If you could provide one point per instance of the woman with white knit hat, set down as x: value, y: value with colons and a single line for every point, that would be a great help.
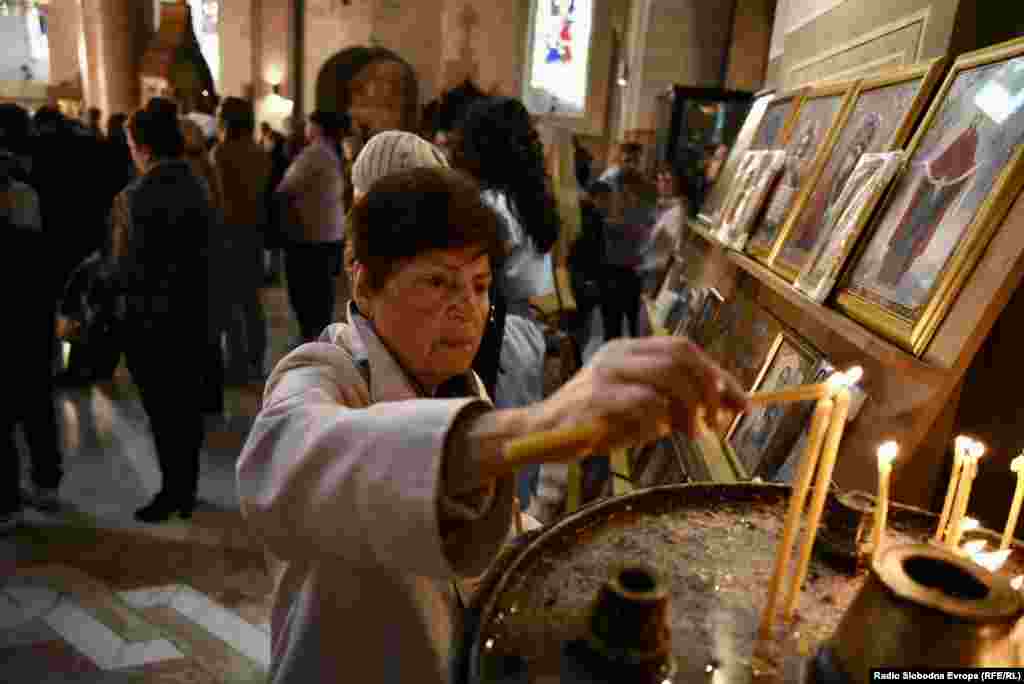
x: 392, y: 151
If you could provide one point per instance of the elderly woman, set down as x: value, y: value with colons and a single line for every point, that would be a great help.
x: 375, y: 468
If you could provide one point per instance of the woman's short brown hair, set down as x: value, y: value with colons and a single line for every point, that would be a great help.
x: 414, y: 211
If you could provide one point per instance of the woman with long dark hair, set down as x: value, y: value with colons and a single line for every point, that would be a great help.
x: 160, y: 226
x: 498, y: 145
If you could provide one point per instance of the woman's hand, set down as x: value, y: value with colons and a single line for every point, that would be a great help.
x: 636, y: 390
x: 632, y: 392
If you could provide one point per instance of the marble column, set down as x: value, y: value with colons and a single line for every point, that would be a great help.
x: 65, y: 38
x: 116, y: 32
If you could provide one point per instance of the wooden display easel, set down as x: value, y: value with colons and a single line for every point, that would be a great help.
x: 910, y: 400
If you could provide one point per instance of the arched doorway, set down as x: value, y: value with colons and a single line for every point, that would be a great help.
x: 376, y: 86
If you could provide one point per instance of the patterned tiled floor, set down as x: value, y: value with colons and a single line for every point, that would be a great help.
x: 91, y: 597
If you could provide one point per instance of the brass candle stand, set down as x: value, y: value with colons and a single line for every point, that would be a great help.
x: 923, y: 606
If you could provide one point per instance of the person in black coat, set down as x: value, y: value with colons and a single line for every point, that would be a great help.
x: 32, y: 304
x: 157, y: 264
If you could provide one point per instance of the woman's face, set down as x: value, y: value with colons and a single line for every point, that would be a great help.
x: 432, y: 310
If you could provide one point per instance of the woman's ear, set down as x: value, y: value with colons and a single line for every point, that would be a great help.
x: 361, y: 289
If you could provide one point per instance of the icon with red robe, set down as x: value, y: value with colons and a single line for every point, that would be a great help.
x: 945, y: 177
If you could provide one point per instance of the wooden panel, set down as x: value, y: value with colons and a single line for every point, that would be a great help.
x: 897, y: 44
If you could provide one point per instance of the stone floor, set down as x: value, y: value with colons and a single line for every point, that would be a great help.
x: 90, y: 596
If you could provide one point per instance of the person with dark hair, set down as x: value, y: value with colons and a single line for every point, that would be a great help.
x: 275, y: 145
x: 375, y: 469
x: 75, y: 205
x: 157, y: 261
x: 497, y: 144
x: 122, y: 168
x: 670, y: 214
x: 312, y: 196
x: 628, y: 231
x: 242, y: 169
x: 94, y: 122
x: 32, y: 304
x: 627, y: 157
x: 584, y: 161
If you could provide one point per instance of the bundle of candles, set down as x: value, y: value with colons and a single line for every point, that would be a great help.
x: 833, y: 399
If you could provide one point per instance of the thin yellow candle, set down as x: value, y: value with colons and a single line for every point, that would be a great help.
x: 959, y: 450
x: 960, y: 505
x: 886, y: 455
x: 828, y: 461
x: 809, y: 392
x: 975, y: 452
x: 812, y: 450
x: 1016, y: 466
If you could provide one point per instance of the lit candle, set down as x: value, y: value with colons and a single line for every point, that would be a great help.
x: 1017, y: 466
x: 813, y: 392
x: 828, y: 461
x: 886, y: 455
x: 976, y: 450
x: 812, y: 450
x: 959, y: 451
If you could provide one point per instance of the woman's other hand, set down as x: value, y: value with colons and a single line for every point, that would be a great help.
x: 634, y: 391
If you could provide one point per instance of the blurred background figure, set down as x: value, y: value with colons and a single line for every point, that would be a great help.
x: 93, y: 121
x: 629, y: 224
x: 242, y: 170
x: 31, y: 303
x: 274, y: 144
x: 669, y: 215
x: 122, y: 168
x: 312, y: 199
x: 627, y: 156
x: 160, y: 228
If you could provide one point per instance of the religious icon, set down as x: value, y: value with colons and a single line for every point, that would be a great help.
x: 962, y: 174
x: 786, y: 472
x: 765, y: 432
x: 844, y: 219
x: 712, y: 208
x: 815, y: 133
x: 772, y: 132
x: 942, y: 181
x: 881, y: 118
x: 752, y: 186
x: 743, y: 337
x: 797, y: 167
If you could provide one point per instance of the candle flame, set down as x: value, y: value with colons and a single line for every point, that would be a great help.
x: 974, y: 547
x: 1017, y: 464
x: 887, y: 453
x: 853, y: 375
x: 963, y: 443
x: 1017, y: 582
x: 977, y: 449
x: 991, y: 560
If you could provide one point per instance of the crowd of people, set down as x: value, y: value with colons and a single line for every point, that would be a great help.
x: 374, y: 471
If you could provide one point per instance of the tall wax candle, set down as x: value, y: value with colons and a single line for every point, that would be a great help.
x: 886, y: 455
x: 1016, y: 466
x: 959, y: 451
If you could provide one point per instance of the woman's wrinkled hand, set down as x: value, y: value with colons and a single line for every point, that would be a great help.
x: 637, y: 390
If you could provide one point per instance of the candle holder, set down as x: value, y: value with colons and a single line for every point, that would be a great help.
x: 923, y: 606
x: 846, y: 536
x: 628, y: 636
